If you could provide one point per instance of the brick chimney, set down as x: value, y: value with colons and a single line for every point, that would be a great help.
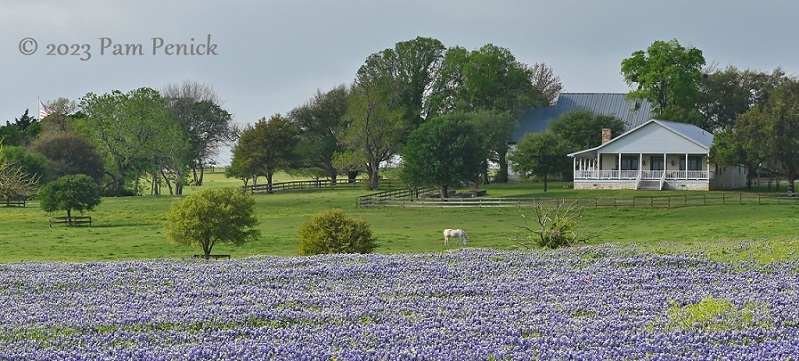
x: 606, y: 136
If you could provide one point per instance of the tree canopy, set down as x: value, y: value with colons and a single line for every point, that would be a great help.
x: 205, y: 123
x: 320, y: 121
x: 541, y: 154
x: 69, y: 153
x: 445, y: 151
x: 582, y: 129
x: 668, y: 76
x: 267, y: 147
x: 133, y: 131
x: 212, y: 216
x: 14, y: 181
x: 76, y: 192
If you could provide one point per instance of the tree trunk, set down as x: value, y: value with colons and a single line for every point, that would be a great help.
x: 444, y: 192
x: 352, y: 176
x: 545, y: 182
x: 269, y: 182
x: 333, y: 175
x: 199, y: 181
x: 502, y: 172
x: 374, y: 177
x: 69, y: 216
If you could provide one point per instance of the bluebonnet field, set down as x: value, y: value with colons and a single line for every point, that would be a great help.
x: 585, y: 303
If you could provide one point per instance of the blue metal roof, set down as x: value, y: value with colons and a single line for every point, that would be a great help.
x: 538, y: 119
x: 690, y: 131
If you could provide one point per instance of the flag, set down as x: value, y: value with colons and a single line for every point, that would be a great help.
x: 44, y: 111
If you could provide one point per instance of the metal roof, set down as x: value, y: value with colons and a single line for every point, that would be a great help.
x: 538, y: 119
x: 691, y: 132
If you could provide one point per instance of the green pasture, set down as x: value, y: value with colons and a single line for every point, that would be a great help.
x: 132, y: 227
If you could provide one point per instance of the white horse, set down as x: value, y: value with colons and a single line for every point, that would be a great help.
x: 459, y: 233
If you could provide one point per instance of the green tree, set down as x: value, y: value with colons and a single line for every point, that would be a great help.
x: 730, y: 92
x: 541, y: 155
x: 490, y: 79
x: 443, y: 152
x: 68, y: 153
x: 376, y: 127
x: 495, y: 128
x: 243, y: 168
x: 783, y: 115
x: 76, y: 192
x: 334, y: 232
x: 21, y: 132
x: 417, y: 63
x: 267, y: 147
x: 212, y: 216
x: 206, y: 124
x: 14, y: 181
x: 583, y: 129
x: 31, y: 163
x: 747, y: 143
x: 131, y: 131
x: 668, y: 76
x: 320, y: 121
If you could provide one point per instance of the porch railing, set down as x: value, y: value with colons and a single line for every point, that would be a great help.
x: 643, y: 174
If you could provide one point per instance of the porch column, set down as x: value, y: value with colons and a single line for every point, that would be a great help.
x: 640, y: 162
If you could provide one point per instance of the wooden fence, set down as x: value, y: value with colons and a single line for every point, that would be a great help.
x: 315, y: 184
x: 18, y: 200
x: 671, y: 201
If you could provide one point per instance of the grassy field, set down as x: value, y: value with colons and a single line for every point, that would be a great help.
x: 132, y: 227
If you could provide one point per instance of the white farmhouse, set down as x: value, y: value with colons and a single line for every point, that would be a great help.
x: 655, y: 155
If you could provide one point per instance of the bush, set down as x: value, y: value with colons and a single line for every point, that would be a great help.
x: 212, y: 216
x: 554, y: 227
x: 333, y: 232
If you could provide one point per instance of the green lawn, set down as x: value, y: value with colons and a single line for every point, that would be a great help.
x: 132, y: 227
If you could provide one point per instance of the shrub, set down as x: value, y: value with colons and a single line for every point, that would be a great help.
x: 333, y: 232
x: 554, y: 227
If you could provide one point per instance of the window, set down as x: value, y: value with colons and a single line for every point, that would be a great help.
x: 629, y: 162
x: 656, y: 163
x: 694, y: 163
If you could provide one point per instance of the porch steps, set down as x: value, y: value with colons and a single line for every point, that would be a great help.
x: 649, y: 185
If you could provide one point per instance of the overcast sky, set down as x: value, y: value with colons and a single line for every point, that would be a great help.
x: 272, y: 56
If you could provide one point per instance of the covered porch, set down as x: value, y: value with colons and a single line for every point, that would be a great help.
x: 642, y: 170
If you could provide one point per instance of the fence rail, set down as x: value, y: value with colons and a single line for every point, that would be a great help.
x: 315, y: 184
x: 18, y: 200
x: 669, y: 201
